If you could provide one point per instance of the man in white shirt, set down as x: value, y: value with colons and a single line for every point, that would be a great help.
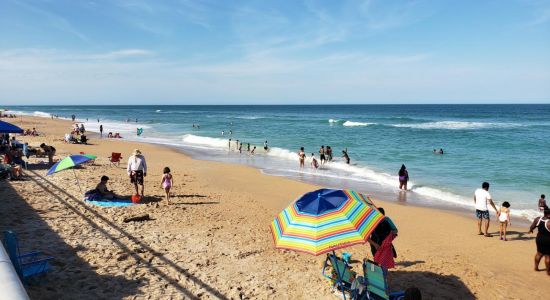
x: 137, y: 169
x: 481, y: 199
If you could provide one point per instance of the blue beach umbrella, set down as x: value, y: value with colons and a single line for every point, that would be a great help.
x: 6, y: 127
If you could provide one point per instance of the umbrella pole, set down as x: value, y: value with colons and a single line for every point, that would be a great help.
x: 78, y: 182
x: 340, y: 283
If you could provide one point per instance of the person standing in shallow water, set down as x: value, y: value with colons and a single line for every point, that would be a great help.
x: 302, y: 157
x: 403, y: 177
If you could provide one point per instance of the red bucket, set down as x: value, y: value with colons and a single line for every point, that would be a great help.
x: 136, y: 198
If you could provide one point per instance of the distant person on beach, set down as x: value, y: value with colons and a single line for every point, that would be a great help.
x: 346, y: 156
x: 101, y: 130
x: 167, y: 183
x: 302, y: 157
x: 314, y: 161
x: 240, y: 148
x: 248, y: 147
x: 73, y: 117
x: 542, y: 240
x: 481, y: 199
x: 137, y: 170
x: 322, y: 157
x: 542, y: 204
x: 223, y: 132
x: 110, y: 135
x: 253, y: 149
x: 403, y: 177
x: 329, y: 153
x: 265, y: 146
x: 82, y: 130
x: 103, y: 190
x: 229, y: 144
x: 504, y: 219
x: 49, y: 151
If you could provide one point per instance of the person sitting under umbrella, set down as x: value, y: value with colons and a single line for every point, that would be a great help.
x: 104, y: 191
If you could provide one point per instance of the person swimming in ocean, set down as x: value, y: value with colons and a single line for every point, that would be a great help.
x: 440, y: 150
x: 265, y: 146
x: 345, y: 155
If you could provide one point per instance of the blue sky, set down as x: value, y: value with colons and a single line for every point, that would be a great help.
x: 267, y: 52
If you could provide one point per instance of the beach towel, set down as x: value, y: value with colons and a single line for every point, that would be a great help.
x: 111, y: 203
x: 384, y: 255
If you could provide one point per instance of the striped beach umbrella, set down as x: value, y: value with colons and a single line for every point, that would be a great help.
x: 325, y: 220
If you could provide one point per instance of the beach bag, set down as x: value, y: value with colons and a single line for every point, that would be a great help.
x: 359, y: 288
x: 92, y: 195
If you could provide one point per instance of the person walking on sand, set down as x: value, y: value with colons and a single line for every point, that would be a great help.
x: 403, y: 177
x: 167, y: 182
x: 504, y: 220
x: 542, y: 240
x: 101, y: 130
x: 481, y: 199
x: 542, y: 204
x: 137, y: 170
x: 302, y: 157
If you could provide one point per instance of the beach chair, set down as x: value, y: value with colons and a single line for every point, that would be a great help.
x: 115, y: 158
x: 26, y: 265
x: 340, y: 274
x: 377, y: 284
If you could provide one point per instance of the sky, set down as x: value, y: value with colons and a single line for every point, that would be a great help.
x: 274, y: 52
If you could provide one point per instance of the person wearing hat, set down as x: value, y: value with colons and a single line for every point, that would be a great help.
x: 103, y: 190
x: 137, y: 169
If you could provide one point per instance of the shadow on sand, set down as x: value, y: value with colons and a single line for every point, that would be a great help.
x: 432, y: 285
x: 69, y: 271
x: 106, y: 227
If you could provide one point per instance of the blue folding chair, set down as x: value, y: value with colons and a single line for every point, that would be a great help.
x: 26, y: 265
x: 341, y: 273
x: 377, y: 283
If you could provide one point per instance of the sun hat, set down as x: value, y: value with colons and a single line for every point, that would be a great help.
x: 136, y: 152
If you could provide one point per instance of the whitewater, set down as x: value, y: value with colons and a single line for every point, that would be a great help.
x: 499, y: 144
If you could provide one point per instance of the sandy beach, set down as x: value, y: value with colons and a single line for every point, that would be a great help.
x: 215, y: 242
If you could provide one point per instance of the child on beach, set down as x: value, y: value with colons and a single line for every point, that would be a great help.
x: 504, y: 219
x: 314, y: 162
x: 167, y: 183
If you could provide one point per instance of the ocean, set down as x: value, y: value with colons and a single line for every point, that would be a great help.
x: 506, y: 145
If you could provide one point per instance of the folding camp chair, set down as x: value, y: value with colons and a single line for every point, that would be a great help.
x: 26, y: 265
x: 377, y: 284
x: 341, y: 273
x: 115, y: 158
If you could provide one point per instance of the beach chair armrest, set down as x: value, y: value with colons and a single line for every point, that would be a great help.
x: 37, y: 261
x: 397, y: 295
x: 30, y: 254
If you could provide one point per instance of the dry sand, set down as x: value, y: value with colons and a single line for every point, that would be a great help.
x: 215, y: 242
